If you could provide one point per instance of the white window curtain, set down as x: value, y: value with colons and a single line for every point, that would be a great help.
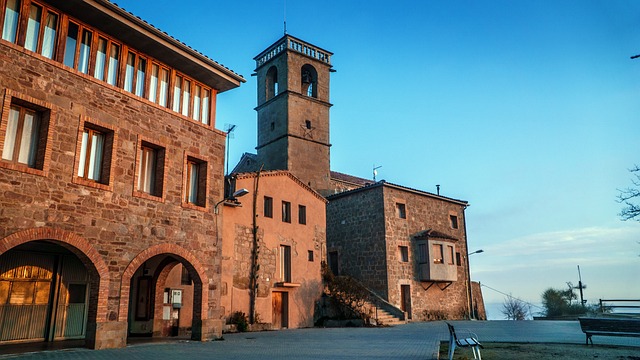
x: 153, y: 83
x: 10, y: 138
x: 29, y: 141
x: 83, y: 153
x: 205, y: 107
x: 95, y: 161
x: 140, y: 76
x: 114, y: 55
x: 146, y: 175
x: 129, y: 72
x: 164, y: 87
x: 196, y: 103
x: 33, y: 28
x: 70, y: 46
x: 49, y: 37
x: 101, y: 58
x: 193, y: 183
x: 186, y: 98
x: 11, y: 16
x: 177, y: 91
x: 85, y: 52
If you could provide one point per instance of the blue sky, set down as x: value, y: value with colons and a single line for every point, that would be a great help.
x: 529, y: 110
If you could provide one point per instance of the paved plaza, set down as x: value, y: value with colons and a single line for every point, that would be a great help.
x: 410, y: 341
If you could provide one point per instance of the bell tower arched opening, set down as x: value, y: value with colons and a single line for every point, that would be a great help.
x: 271, y: 82
x: 309, y: 81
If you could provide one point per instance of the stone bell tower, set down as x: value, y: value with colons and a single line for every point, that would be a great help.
x: 293, y: 110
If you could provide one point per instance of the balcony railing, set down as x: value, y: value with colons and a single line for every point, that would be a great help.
x: 295, y: 45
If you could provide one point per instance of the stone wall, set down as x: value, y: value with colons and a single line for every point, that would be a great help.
x: 116, y: 221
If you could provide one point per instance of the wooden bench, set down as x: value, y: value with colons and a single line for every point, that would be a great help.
x: 471, y: 341
x: 609, y: 327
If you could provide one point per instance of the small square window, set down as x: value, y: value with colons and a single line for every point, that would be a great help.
x: 458, y: 262
x: 310, y: 255
x: 25, y: 137
x: 307, y: 124
x: 404, y: 253
x: 454, y: 221
x: 286, y: 211
x: 268, y: 207
x: 302, y: 214
x: 401, y: 211
x: 195, y: 182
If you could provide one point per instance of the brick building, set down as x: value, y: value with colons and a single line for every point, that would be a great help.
x: 288, y: 244
x: 111, y: 166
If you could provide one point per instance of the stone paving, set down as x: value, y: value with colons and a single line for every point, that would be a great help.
x: 410, y: 341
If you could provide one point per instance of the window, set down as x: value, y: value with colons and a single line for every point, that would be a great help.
x: 310, y: 253
x: 177, y: 93
x: 77, y: 54
x: 22, y: 139
x: 94, y: 154
x: 309, y: 79
x: 271, y: 82
x: 437, y: 254
x: 41, y: 31
x: 150, y: 174
x: 401, y: 211
x: 307, y: 124
x: 286, y: 211
x: 450, y: 255
x: 134, y: 75
x: 285, y: 263
x: 453, y: 219
x: 159, y: 85
x: 107, y: 60
x: 302, y: 214
x: 404, y: 253
x: 333, y: 262
x: 458, y: 262
x: 195, y: 182
x: 268, y: 207
x: 11, y: 18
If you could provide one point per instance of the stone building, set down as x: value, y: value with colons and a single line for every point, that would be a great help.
x: 405, y: 245
x: 394, y: 257
x: 111, y: 166
x: 282, y: 223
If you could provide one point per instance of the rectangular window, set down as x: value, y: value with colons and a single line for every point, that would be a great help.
x: 186, y: 97
x: 450, y: 255
x: 197, y: 103
x: 458, y: 262
x: 177, y: 92
x: 302, y: 214
x: 310, y: 255
x: 77, y: 55
x: 150, y: 169
x: 11, y: 19
x: 141, y: 76
x: 85, y: 51
x: 33, y: 28
x: 286, y: 211
x: 112, y: 70
x: 195, y: 186
x: 153, y: 83
x: 101, y: 59
x: 70, y: 46
x: 163, y: 94
x: 206, y: 100
x: 332, y: 258
x: 401, y: 211
x: 48, y: 45
x: 437, y: 254
x: 23, y: 137
x: 134, y: 74
x: 285, y: 263
x: 268, y: 207
x: 454, y: 221
x: 404, y: 253
x: 129, y: 72
x: 91, y: 155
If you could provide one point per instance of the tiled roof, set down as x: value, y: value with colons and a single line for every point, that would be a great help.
x: 350, y: 178
x: 266, y: 173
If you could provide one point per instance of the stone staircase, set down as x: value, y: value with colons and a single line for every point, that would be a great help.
x: 383, y: 317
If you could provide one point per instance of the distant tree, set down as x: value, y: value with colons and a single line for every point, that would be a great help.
x: 630, y: 197
x: 559, y: 302
x: 514, y: 309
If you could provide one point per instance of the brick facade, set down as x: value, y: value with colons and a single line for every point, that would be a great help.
x: 113, y: 229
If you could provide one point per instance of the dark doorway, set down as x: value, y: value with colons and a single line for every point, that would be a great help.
x: 405, y: 293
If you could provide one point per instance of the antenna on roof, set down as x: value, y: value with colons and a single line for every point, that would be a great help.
x: 285, y: 17
x: 228, y: 128
x: 375, y: 171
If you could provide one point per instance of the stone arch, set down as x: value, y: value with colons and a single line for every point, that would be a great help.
x: 271, y: 82
x: 88, y: 255
x: 190, y: 261
x: 309, y: 81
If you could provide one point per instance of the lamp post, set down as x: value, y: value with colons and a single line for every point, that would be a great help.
x: 473, y: 314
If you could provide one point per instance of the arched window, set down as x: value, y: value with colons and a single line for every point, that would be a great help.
x: 272, y: 82
x: 309, y: 81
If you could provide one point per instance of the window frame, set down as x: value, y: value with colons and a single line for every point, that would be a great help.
x: 437, y: 253
x: 453, y: 221
x: 159, y: 173
x: 401, y: 210
x: 108, y: 156
x: 45, y: 10
x: 201, y: 165
x: 286, y: 211
x: 267, y: 208
x: 285, y: 263
x: 302, y: 214
x: 47, y: 123
x: 403, y: 251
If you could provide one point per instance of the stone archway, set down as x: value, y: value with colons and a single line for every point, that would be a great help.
x: 191, y: 263
x: 96, y: 267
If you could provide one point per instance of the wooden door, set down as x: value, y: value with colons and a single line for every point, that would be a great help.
x: 280, y: 310
x: 405, y: 293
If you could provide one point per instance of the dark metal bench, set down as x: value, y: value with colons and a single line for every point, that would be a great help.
x: 471, y: 341
x: 609, y: 327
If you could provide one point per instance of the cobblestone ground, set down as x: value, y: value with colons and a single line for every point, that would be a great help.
x: 411, y: 341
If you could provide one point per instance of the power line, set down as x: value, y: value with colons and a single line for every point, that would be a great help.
x: 512, y: 297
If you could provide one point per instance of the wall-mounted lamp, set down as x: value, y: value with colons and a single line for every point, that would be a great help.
x: 232, y: 200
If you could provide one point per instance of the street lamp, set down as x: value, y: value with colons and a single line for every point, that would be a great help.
x: 473, y: 309
x: 231, y: 200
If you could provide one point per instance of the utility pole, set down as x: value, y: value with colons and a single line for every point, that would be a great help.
x: 580, y: 285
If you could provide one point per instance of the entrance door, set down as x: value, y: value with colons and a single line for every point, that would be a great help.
x: 280, y: 310
x: 405, y: 293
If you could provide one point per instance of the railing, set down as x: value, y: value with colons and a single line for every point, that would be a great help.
x: 295, y: 45
x: 620, y: 307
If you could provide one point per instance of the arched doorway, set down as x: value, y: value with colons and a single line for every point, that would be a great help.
x: 165, y: 293
x: 45, y: 292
